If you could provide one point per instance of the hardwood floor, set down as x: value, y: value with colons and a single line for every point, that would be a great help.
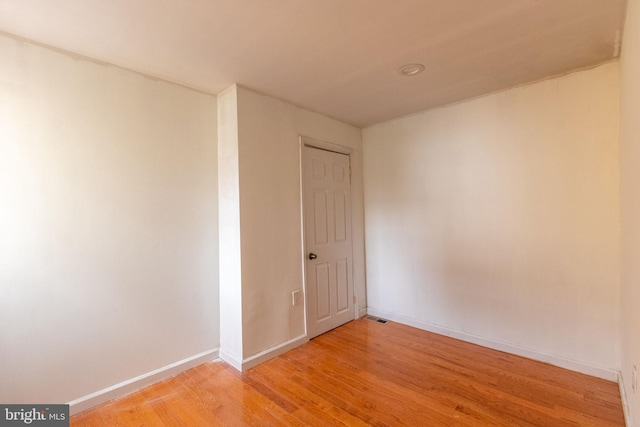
x: 365, y: 373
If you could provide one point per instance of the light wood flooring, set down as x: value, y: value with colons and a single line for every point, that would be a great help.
x: 370, y: 374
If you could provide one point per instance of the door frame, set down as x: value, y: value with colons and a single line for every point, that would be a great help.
x: 307, y: 141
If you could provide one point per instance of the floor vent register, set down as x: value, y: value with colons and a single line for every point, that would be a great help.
x: 377, y: 319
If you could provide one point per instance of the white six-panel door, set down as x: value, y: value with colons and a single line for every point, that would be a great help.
x: 327, y: 215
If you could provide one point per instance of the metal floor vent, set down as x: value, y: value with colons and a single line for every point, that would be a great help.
x: 377, y: 319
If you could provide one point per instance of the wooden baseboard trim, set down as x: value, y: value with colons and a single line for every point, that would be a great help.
x: 134, y: 384
x: 572, y: 365
x: 362, y: 311
x: 272, y: 352
x: 230, y: 359
x: 625, y: 402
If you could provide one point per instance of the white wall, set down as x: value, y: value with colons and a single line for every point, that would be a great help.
x: 108, y: 225
x: 497, y: 220
x: 270, y: 221
x: 630, y: 198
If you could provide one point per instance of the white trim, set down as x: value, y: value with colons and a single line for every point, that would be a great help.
x: 230, y: 359
x: 136, y: 383
x: 307, y: 141
x: 566, y: 363
x: 362, y: 311
x: 303, y: 242
x: 272, y: 352
x: 625, y: 402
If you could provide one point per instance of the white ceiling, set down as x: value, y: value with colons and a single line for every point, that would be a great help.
x: 336, y: 57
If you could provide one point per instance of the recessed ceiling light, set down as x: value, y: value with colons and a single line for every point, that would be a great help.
x: 411, y: 69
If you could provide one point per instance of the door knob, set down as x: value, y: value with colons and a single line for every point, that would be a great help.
x: 312, y: 255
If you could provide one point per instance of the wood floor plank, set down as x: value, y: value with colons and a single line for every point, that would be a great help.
x: 349, y: 384
x: 370, y: 374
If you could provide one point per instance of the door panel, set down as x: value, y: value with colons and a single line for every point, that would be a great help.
x: 327, y: 215
x: 340, y: 213
x: 323, y: 291
x: 321, y: 225
x: 342, y: 273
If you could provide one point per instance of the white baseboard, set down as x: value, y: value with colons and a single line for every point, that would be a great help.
x: 362, y: 311
x: 134, y: 384
x: 566, y: 363
x: 272, y: 352
x: 263, y: 356
x: 230, y: 359
x: 625, y: 402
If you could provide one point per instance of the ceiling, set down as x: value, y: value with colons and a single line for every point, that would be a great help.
x: 336, y: 57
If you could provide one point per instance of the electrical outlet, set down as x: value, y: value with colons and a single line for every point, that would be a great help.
x: 634, y: 380
x: 295, y: 297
